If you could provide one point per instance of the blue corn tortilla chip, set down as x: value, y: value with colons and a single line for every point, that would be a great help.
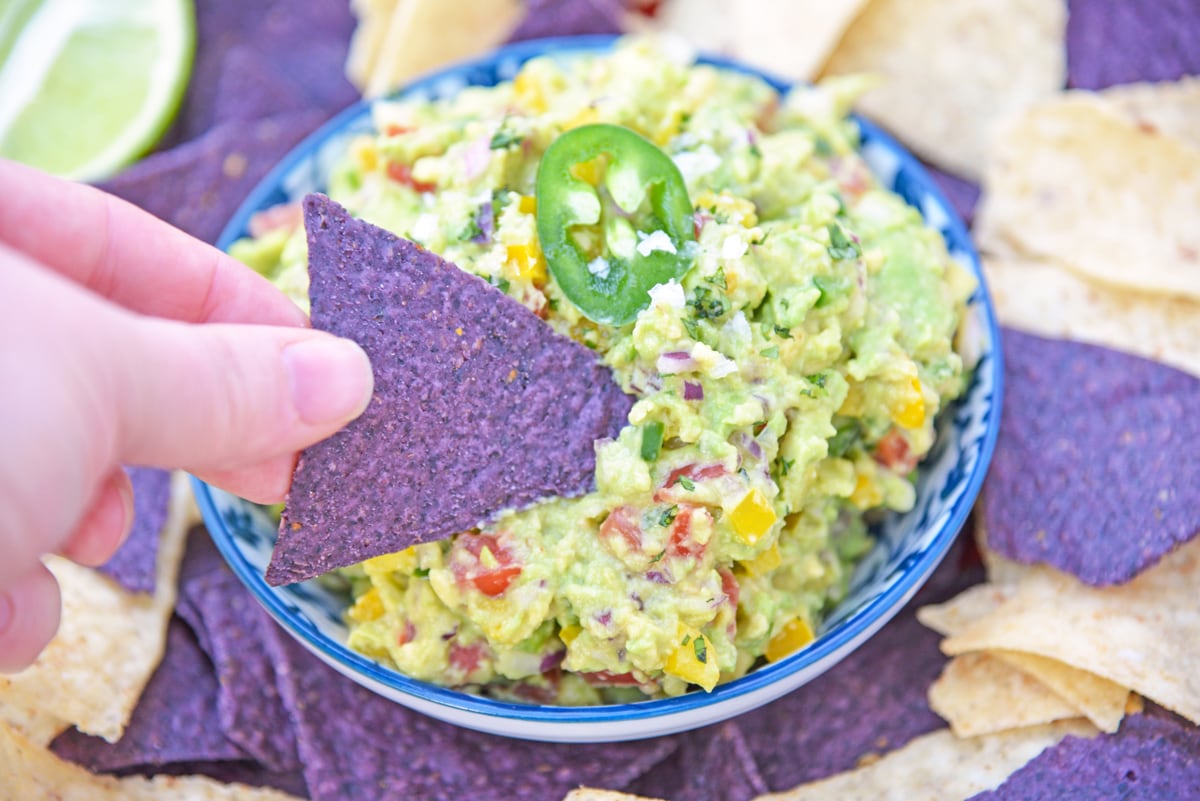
x: 1155, y: 755
x: 249, y: 710
x: 712, y: 764
x: 479, y: 406
x: 545, y: 18
x: 251, y: 87
x: 248, y: 773
x: 355, y: 744
x: 134, y: 565
x: 1095, y: 470
x: 175, y: 719
x: 963, y: 195
x: 197, y: 186
x: 1112, y: 42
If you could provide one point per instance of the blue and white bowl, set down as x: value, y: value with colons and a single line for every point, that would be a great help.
x: 909, y: 546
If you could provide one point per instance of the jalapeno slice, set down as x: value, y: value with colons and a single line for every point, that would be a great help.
x: 613, y: 219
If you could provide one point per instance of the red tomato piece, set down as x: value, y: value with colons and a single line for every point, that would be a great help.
x: 623, y: 522
x: 402, y: 173
x: 893, y: 453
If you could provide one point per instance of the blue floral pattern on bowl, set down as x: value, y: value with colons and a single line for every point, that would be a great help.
x: 909, y: 546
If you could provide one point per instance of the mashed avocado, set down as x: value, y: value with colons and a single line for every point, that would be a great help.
x: 787, y: 384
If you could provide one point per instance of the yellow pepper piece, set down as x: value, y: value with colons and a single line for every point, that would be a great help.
x: 568, y: 633
x: 585, y: 117
x: 669, y: 128
x: 794, y: 635
x: 404, y: 562
x: 735, y: 208
x: 693, y: 660
x: 527, y: 204
x: 764, y: 563
x: 866, y: 494
x: 364, y: 153
x: 527, y: 262
x: 368, y: 607
x: 528, y: 92
x: 752, y: 517
x: 910, y: 413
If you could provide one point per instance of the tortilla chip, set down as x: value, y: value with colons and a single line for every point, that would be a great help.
x: 1144, y: 635
x: 374, y: 19
x: 133, y: 565
x: 425, y: 34
x: 1073, y: 182
x: 545, y: 18
x: 1171, y: 108
x: 32, y: 773
x: 939, y: 766
x: 791, y: 38
x: 1122, y: 41
x: 1100, y: 481
x: 980, y: 694
x: 479, y: 406
x: 593, y: 794
x: 1049, y: 300
x: 1153, y: 756
x: 953, y: 69
x: 108, y: 645
x: 251, y: 87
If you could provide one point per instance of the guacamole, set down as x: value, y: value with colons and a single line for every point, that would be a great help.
x: 786, y: 382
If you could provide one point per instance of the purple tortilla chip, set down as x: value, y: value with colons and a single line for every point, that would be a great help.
x: 479, y: 405
x: 1123, y: 41
x: 355, y: 744
x: 963, y: 195
x: 1154, y: 756
x: 545, y: 18
x: 250, y: 87
x: 1095, y: 470
x: 249, y: 709
x: 135, y: 564
x: 198, y: 186
x: 175, y: 719
x: 712, y: 764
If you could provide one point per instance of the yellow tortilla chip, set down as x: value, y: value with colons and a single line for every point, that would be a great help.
x: 970, y: 605
x: 109, y: 643
x: 979, y: 694
x: 592, y: 794
x: 952, y: 69
x: 30, y: 772
x: 1144, y: 635
x: 791, y: 38
x: 939, y: 766
x: 1171, y: 108
x: 374, y: 19
x: 1073, y: 182
x: 424, y: 34
x: 1047, y: 299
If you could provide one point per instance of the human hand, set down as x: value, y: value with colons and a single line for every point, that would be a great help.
x: 125, y: 341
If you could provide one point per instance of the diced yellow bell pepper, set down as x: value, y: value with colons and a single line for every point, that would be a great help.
x: 568, y: 633
x: 368, y: 607
x: 404, y: 562
x: 585, y: 117
x: 693, y: 659
x: 910, y: 412
x: 669, y: 128
x: 527, y: 263
x: 730, y: 205
x: 764, y: 563
x: 752, y: 517
x: 365, y: 154
x: 527, y: 204
x: 527, y: 90
x: 794, y: 635
x: 866, y: 493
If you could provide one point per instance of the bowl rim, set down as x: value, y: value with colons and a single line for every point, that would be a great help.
x: 832, y: 645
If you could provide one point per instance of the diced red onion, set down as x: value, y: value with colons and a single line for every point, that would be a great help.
x: 485, y: 221
x: 693, y: 391
x: 477, y: 156
x: 552, y: 660
x: 676, y: 361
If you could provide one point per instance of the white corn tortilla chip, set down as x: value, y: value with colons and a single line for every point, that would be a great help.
x: 1047, y: 299
x: 1073, y: 182
x: 791, y: 38
x: 109, y: 643
x: 30, y: 772
x: 1144, y: 635
x: 979, y: 694
x: 939, y: 767
x: 592, y: 794
x: 374, y: 19
x: 952, y: 69
x: 1171, y: 108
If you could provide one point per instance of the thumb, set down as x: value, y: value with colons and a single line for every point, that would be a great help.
x: 216, y: 397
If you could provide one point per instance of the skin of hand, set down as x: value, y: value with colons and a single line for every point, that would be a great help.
x: 125, y: 341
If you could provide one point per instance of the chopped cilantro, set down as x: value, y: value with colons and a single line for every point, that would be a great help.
x: 504, y: 138
x: 786, y: 333
x: 668, y: 516
x: 817, y: 379
x: 841, y: 441
x: 756, y: 151
x: 652, y: 439
x: 686, y: 639
x: 686, y: 483
x: 771, y: 352
x: 701, y: 650
x: 785, y: 466
x: 707, y: 305
x: 841, y: 246
x: 692, y: 327
x: 421, y: 572
x: 718, y: 278
x: 823, y: 147
x: 500, y: 283
x: 470, y: 231
x: 828, y: 287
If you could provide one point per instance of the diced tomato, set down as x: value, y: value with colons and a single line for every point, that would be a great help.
x: 766, y: 117
x: 692, y: 472
x: 402, y: 173
x: 729, y: 586
x: 284, y: 216
x: 466, y: 657
x: 893, y: 453
x: 681, y: 541
x: 538, y: 693
x: 606, y: 678
x: 490, y: 581
x: 851, y: 176
x: 495, y: 582
x: 396, y: 130
x: 407, y: 634
x: 623, y: 522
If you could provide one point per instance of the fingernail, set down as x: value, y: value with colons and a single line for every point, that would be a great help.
x: 6, y: 612
x: 330, y: 379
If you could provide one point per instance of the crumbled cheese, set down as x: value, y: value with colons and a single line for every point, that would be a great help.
x: 658, y: 240
x: 734, y: 247
x: 599, y: 267
x: 669, y: 294
x: 698, y: 162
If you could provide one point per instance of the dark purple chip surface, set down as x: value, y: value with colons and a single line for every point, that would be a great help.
x: 479, y: 406
x: 198, y: 185
x: 1095, y: 471
x: 1154, y: 755
x: 175, y: 719
x: 569, y: 18
x: 1124, y: 41
x: 963, y: 195
x: 135, y: 564
x: 251, y: 87
x: 356, y: 744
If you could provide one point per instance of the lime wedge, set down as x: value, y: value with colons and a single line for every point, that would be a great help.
x: 87, y: 86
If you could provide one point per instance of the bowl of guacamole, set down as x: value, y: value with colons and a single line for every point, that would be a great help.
x: 813, y: 360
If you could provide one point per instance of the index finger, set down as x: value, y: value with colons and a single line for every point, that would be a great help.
x: 131, y: 257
